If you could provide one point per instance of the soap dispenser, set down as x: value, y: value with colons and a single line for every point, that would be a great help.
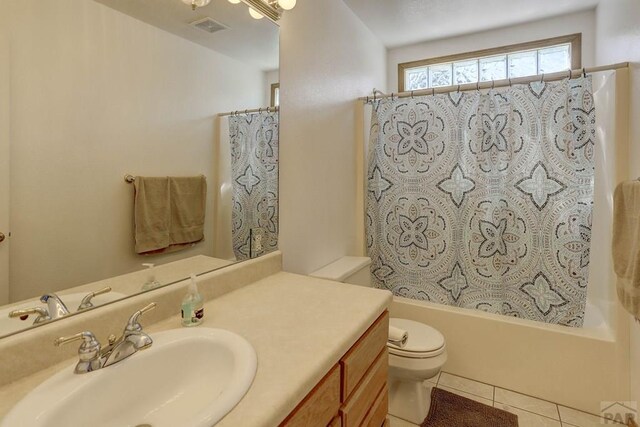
x: 192, y: 309
x: 151, y: 282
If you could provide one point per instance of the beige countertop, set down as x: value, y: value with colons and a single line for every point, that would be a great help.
x: 299, y: 326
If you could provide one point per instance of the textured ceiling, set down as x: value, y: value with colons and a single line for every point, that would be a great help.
x: 401, y: 22
x: 246, y: 39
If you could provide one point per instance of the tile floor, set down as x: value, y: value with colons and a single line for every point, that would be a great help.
x: 531, y: 412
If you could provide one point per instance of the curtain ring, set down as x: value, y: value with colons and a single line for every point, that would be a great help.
x: 433, y: 91
x: 584, y: 72
x: 374, y: 96
x: 570, y: 73
x: 542, y: 78
x: 411, y: 94
x: 478, y: 86
x: 367, y: 100
x: 510, y: 83
x: 458, y: 88
x: 493, y: 84
x: 391, y: 96
x: 246, y: 111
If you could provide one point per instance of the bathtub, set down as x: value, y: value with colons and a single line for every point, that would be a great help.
x: 576, y: 367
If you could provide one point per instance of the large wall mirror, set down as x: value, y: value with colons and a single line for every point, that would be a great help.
x: 93, y: 91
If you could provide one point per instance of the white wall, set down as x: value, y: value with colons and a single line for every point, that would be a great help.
x: 582, y: 22
x: 328, y: 58
x: 618, y: 40
x: 95, y: 95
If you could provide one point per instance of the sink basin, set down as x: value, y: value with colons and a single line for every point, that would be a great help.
x: 187, y: 378
x: 72, y: 301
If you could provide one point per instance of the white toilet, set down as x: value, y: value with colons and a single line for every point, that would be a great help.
x: 420, y: 359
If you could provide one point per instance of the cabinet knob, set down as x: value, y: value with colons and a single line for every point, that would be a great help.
x: 2, y: 237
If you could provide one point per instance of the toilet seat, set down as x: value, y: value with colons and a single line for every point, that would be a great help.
x: 423, y: 340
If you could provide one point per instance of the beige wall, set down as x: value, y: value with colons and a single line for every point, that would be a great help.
x: 4, y: 159
x: 328, y: 59
x: 95, y: 95
x: 618, y: 39
x: 582, y: 22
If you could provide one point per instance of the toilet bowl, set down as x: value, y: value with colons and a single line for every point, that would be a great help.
x: 421, y: 358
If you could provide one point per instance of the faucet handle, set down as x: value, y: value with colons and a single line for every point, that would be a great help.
x: 86, y: 301
x: 133, y: 325
x: 43, y: 314
x: 88, y: 353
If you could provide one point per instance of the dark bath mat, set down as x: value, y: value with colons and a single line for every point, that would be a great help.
x: 450, y: 410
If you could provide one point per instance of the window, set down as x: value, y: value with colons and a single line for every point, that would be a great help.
x: 526, y: 59
x: 275, y: 94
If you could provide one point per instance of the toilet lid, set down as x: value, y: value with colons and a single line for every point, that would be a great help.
x: 422, y: 338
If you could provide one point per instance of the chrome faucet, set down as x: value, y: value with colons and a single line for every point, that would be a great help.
x: 92, y: 356
x: 55, y: 309
x: 86, y: 301
x: 55, y: 305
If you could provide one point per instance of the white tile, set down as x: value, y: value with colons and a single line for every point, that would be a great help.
x: 528, y: 419
x: 466, y: 385
x: 528, y: 403
x: 398, y: 422
x: 575, y: 418
x: 487, y: 402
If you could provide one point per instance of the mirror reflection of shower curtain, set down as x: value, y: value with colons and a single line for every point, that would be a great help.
x: 254, y: 172
x: 484, y: 201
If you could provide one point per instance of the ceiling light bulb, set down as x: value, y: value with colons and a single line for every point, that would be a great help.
x: 255, y: 14
x: 234, y: 1
x: 287, y: 4
x: 196, y: 3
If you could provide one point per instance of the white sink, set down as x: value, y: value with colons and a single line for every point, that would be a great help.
x: 72, y: 301
x: 188, y: 377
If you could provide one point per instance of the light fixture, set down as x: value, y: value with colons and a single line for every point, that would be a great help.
x: 272, y: 9
x: 287, y: 4
x: 196, y: 3
x: 255, y: 14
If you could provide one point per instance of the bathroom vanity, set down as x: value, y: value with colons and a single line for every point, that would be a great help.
x: 320, y: 344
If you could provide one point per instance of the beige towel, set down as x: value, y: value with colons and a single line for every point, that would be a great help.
x: 626, y: 244
x: 168, y: 213
x: 188, y: 198
x: 152, y: 214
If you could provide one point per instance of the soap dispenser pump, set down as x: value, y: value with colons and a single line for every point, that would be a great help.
x: 192, y: 308
x: 151, y: 282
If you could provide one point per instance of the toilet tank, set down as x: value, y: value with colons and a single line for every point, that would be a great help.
x: 348, y: 269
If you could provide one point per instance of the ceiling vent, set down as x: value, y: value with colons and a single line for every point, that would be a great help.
x: 209, y: 25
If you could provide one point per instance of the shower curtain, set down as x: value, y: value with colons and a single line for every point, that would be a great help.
x: 484, y: 200
x: 254, y: 173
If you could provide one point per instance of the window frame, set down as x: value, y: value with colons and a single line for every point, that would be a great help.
x: 575, y: 40
x: 275, y: 87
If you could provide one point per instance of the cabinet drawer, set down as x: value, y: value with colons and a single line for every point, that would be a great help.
x: 360, y: 357
x: 320, y: 405
x: 359, y: 404
x: 378, y: 413
x: 336, y: 422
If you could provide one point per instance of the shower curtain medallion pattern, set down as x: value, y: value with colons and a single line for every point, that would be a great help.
x: 254, y: 171
x: 484, y: 201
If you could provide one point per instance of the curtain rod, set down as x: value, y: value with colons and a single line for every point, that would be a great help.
x: 255, y: 110
x: 495, y: 83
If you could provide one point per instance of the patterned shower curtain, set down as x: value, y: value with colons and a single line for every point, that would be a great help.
x: 484, y: 201
x: 254, y: 172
